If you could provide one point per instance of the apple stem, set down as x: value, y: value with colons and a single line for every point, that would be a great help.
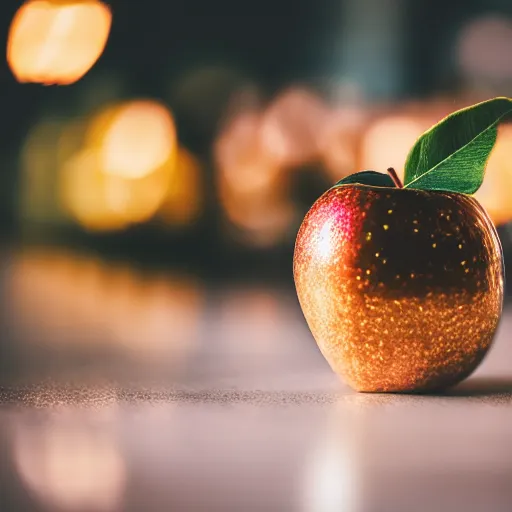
x: 395, y: 178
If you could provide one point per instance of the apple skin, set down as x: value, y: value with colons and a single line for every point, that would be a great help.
x: 401, y: 288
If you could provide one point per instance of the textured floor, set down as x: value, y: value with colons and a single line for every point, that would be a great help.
x: 241, y: 413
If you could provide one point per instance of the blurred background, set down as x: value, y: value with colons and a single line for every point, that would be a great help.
x: 157, y: 159
x: 194, y: 137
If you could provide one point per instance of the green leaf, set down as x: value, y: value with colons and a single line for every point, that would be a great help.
x: 452, y: 155
x: 376, y: 179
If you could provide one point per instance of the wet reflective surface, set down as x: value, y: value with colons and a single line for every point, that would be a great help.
x: 128, y: 391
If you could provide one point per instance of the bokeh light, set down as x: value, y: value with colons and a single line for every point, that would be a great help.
x: 140, y: 138
x: 56, y: 41
x: 70, y: 462
x: 243, y: 165
x: 388, y: 140
x: 291, y: 125
x: 339, y: 139
x: 90, y: 196
x: 122, y: 172
x: 184, y: 200
x: 495, y: 194
x: 252, y: 187
x: 104, y: 202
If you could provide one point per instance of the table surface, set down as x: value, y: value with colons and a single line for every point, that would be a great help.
x: 156, y: 393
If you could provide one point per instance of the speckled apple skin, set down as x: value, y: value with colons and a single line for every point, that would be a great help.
x: 402, y: 289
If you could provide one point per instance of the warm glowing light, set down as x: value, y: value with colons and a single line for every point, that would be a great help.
x: 251, y: 184
x: 184, y: 200
x: 71, y: 141
x: 86, y: 195
x: 140, y: 138
x: 57, y: 41
x: 338, y: 141
x: 495, y: 194
x: 291, y: 126
x: 104, y: 202
x: 244, y: 167
x: 388, y: 140
x: 69, y: 464
x: 122, y: 172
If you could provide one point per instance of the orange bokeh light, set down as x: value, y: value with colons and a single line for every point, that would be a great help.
x: 85, y: 194
x: 56, y: 41
x: 122, y: 172
x: 103, y: 202
x: 251, y: 183
x: 244, y: 166
x: 290, y: 127
x: 338, y: 141
x: 140, y: 137
x: 495, y: 194
x: 388, y: 140
x: 184, y: 199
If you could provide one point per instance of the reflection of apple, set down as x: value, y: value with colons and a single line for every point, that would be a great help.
x: 401, y: 288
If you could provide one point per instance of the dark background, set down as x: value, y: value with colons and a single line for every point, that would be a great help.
x: 164, y: 367
x: 271, y: 45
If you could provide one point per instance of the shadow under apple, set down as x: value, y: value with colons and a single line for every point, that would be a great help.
x: 482, y: 386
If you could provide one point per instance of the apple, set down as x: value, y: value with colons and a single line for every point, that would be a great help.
x: 402, y: 288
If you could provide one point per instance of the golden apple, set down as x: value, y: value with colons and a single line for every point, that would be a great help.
x: 402, y: 289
